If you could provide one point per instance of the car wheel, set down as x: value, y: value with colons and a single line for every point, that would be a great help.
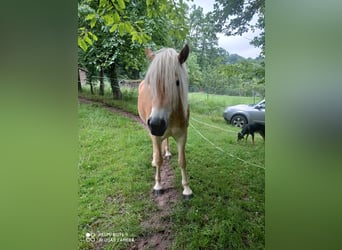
x: 238, y: 121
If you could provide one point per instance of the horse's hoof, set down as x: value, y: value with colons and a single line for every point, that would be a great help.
x: 167, y: 157
x: 158, y: 192
x: 187, y: 197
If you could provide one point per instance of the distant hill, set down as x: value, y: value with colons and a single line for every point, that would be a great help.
x: 235, y: 58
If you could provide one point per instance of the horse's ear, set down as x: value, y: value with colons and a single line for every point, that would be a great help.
x: 149, y: 54
x: 183, y: 55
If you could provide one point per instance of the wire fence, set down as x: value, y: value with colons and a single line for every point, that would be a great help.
x: 222, y: 150
x: 130, y: 86
x: 129, y: 90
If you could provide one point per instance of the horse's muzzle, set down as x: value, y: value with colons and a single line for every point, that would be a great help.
x: 157, y: 126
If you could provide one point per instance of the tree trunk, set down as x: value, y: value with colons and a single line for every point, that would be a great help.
x: 101, y: 82
x: 135, y: 74
x: 114, y: 83
x: 79, y: 81
x: 89, y: 81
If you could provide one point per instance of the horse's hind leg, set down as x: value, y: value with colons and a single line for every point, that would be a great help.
x: 166, y: 148
x: 157, y: 163
x: 187, y: 192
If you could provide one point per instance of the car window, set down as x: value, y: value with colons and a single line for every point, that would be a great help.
x: 261, y: 105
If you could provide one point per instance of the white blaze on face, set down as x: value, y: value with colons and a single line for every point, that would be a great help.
x: 160, y: 113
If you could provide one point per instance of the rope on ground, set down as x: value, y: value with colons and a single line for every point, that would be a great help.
x: 220, y: 149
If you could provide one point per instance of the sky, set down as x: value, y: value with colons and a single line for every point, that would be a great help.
x: 233, y: 44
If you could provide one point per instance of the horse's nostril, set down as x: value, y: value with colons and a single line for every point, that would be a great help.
x: 149, y: 121
x: 162, y: 123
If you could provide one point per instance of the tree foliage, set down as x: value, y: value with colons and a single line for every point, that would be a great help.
x: 202, y: 35
x: 112, y: 36
x: 111, y: 16
x: 234, y: 18
x: 212, y: 68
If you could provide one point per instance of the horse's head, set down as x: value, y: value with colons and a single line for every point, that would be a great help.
x: 168, y: 81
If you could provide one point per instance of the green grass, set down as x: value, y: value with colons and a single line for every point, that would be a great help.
x: 128, y: 102
x: 227, y: 178
x: 115, y: 176
x: 214, y: 105
x: 227, y: 211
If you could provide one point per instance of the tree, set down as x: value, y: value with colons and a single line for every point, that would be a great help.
x: 112, y: 34
x: 247, y: 77
x: 194, y: 71
x: 221, y: 72
x: 234, y: 18
x: 203, y: 36
x: 111, y: 15
x: 104, y: 27
x: 79, y: 81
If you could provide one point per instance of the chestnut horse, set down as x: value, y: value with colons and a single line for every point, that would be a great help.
x: 163, y: 106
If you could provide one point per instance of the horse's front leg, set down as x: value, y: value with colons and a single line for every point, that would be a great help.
x: 157, y: 163
x: 166, y: 148
x: 187, y: 192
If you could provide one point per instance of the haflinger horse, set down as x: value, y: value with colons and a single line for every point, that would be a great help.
x: 163, y: 106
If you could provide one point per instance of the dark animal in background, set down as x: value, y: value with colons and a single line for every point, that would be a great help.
x: 250, y: 129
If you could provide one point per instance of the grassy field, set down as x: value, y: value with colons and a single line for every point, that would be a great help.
x: 202, y: 103
x: 227, y: 178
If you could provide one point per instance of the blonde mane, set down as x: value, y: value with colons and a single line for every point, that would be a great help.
x: 163, y: 107
x: 162, y: 75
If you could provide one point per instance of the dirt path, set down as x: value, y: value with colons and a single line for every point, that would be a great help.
x: 114, y: 110
x: 159, y: 224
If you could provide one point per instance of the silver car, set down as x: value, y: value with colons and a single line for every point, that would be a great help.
x: 242, y: 114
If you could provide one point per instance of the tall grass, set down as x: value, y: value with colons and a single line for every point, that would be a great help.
x: 207, y: 104
x: 128, y: 102
x: 114, y: 176
x: 227, y: 211
x: 227, y: 177
x: 212, y: 105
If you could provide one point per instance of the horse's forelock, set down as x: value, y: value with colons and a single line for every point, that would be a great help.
x: 162, y: 75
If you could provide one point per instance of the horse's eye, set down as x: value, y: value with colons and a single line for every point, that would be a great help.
x: 177, y: 82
